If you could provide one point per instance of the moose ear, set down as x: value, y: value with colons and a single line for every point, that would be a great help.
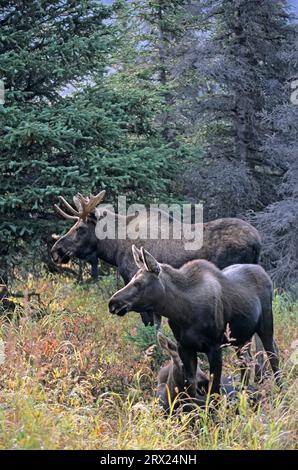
x: 166, y: 344
x: 137, y: 255
x: 150, y: 262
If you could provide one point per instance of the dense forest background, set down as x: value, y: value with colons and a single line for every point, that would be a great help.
x: 157, y: 100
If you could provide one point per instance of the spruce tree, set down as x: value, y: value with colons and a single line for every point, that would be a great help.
x: 46, y: 48
x: 245, y: 66
x: 64, y: 127
x: 278, y: 222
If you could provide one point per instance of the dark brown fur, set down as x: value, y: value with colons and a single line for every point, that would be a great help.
x: 226, y: 241
x: 171, y: 376
x: 200, y: 301
x: 171, y: 385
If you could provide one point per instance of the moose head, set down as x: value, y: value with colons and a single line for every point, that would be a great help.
x: 144, y: 287
x: 80, y: 240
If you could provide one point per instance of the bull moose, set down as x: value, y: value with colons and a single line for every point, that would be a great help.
x: 200, y: 302
x: 226, y: 241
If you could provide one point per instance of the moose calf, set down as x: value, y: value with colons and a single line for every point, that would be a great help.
x: 171, y: 381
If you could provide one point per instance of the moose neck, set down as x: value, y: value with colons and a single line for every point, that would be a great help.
x: 111, y: 248
x: 173, y: 303
x: 197, y: 285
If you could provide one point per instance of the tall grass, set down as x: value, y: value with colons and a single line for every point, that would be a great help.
x: 76, y: 377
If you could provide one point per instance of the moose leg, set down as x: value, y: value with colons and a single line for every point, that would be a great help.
x: 260, y: 360
x: 190, y: 361
x: 157, y: 321
x: 273, y: 355
x: 271, y: 349
x: 215, y: 364
x: 93, y: 261
x: 94, y: 270
x: 245, y: 358
x: 147, y: 318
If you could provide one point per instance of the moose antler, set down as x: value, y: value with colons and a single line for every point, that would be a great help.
x: 85, y: 207
x: 64, y: 214
x: 69, y: 207
x: 88, y: 204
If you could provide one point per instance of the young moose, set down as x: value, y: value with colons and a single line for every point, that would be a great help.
x: 200, y: 301
x: 171, y: 376
x: 171, y: 386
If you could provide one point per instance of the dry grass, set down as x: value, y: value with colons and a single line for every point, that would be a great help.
x: 72, y: 379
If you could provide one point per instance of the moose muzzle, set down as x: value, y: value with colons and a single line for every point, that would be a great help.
x: 118, y: 307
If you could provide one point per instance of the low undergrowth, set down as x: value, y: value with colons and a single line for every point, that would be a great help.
x: 73, y: 376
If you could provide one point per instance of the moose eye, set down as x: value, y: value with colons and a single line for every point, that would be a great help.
x: 137, y: 284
